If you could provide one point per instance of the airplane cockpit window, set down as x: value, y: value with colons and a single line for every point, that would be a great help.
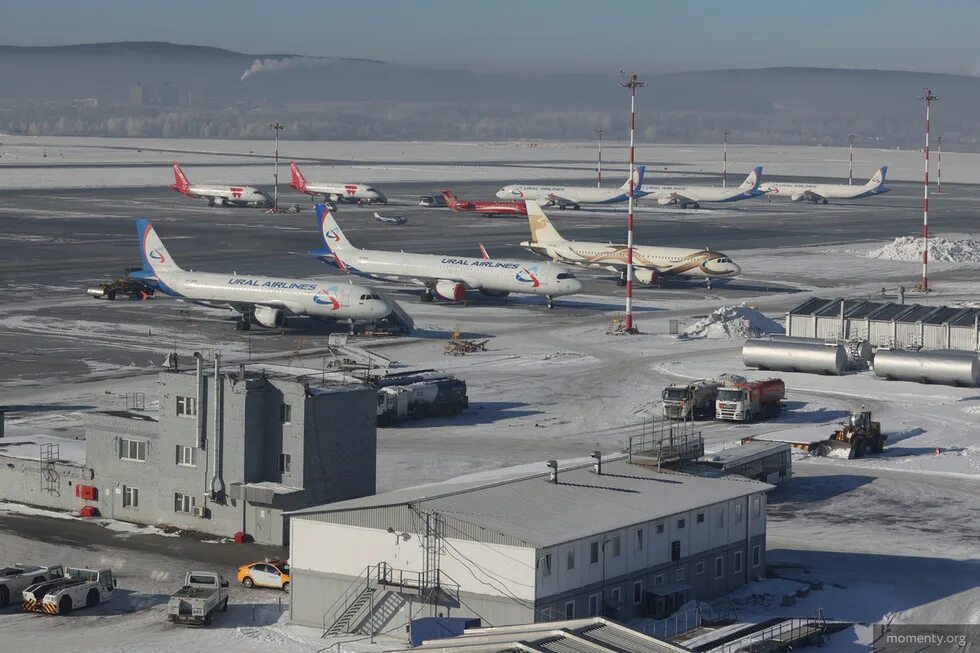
x: 566, y: 275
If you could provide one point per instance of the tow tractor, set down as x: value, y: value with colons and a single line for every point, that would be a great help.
x: 132, y: 288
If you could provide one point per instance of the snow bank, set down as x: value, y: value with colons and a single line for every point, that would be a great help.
x: 733, y: 322
x: 941, y: 250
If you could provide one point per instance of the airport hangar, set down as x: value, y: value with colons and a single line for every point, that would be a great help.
x: 624, y: 541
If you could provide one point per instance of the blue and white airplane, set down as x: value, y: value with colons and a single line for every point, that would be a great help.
x: 265, y: 300
x: 573, y: 196
x: 694, y: 196
x: 446, y: 277
x: 821, y: 193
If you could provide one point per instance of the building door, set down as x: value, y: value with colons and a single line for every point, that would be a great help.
x: 258, y: 524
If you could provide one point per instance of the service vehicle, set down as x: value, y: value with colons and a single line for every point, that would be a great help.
x: 856, y: 437
x: 203, y: 593
x: 432, y: 200
x: 18, y: 576
x: 696, y: 399
x: 431, y: 397
x: 270, y: 573
x: 746, y: 401
x: 78, y: 588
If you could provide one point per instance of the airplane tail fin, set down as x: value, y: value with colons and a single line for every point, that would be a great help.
x: 181, y: 184
x: 156, y: 258
x: 299, y: 181
x: 878, y: 179
x: 753, y: 180
x: 542, y: 231
x: 335, y: 244
x: 637, y: 179
x: 450, y: 198
x: 483, y: 252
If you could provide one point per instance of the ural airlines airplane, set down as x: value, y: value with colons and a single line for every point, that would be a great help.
x: 573, y: 196
x: 264, y: 300
x: 358, y: 193
x: 685, y: 196
x: 446, y: 277
x: 649, y: 262
x: 822, y: 192
x: 217, y: 195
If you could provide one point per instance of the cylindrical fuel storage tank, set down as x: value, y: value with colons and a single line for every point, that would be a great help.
x: 790, y: 356
x: 943, y: 366
x: 859, y: 354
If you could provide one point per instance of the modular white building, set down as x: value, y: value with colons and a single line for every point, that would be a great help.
x: 627, y: 541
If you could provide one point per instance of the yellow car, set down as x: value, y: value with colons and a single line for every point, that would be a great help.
x: 268, y: 573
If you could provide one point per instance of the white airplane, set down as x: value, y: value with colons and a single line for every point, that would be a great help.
x: 355, y: 193
x: 573, y: 196
x: 685, y: 196
x: 823, y: 192
x: 265, y: 300
x: 218, y: 195
x: 446, y: 277
x: 649, y: 262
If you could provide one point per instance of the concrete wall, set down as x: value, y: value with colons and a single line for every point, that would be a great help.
x: 22, y: 481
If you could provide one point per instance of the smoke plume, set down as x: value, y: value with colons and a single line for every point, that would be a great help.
x: 286, y: 63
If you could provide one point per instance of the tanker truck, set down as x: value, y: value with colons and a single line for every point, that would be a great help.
x: 430, y: 397
x: 749, y: 400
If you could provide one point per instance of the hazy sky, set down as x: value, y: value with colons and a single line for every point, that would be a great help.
x: 537, y: 35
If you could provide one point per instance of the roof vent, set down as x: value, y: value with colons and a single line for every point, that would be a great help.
x: 597, y: 465
x: 553, y: 478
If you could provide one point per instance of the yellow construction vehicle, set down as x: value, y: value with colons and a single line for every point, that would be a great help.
x: 858, y: 437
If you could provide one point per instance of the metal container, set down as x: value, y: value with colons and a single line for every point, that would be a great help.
x: 943, y: 366
x: 790, y: 356
x: 859, y: 352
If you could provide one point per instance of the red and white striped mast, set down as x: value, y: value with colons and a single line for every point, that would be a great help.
x: 928, y: 98
x: 632, y: 85
x: 724, y: 160
x: 601, y: 132
x: 939, y: 164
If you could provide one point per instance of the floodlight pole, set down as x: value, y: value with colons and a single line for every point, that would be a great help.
x: 850, y: 159
x: 939, y: 164
x: 724, y: 160
x: 928, y: 98
x: 601, y: 133
x: 632, y: 85
x: 277, y: 127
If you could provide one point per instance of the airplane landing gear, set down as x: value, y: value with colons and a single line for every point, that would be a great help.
x: 621, y: 281
x: 551, y: 302
x: 244, y: 323
x: 824, y: 201
x: 426, y: 296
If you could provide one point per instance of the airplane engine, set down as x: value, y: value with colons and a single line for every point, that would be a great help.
x: 663, y: 201
x: 645, y: 275
x: 450, y: 291
x: 269, y: 317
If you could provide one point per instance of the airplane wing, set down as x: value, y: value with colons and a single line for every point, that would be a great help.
x: 558, y: 200
x: 287, y: 307
x: 682, y: 199
x: 807, y: 195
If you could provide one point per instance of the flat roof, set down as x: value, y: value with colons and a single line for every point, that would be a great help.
x: 28, y: 447
x: 748, y: 451
x: 582, y: 504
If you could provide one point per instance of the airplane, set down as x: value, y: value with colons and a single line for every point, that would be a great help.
x: 574, y: 196
x: 823, y: 192
x: 445, y: 277
x: 685, y: 196
x: 390, y: 219
x: 218, y: 195
x: 649, y: 262
x: 265, y: 300
x: 355, y: 193
x: 486, y: 209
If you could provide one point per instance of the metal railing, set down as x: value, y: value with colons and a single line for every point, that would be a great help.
x: 665, y: 440
x: 346, y: 599
x: 779, y: 636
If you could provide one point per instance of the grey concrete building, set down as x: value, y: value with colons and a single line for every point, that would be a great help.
x: 627, y: 542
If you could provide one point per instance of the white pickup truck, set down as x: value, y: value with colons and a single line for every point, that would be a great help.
x: 17, y: 577
x: 195, y: 603
x: 78, y: 588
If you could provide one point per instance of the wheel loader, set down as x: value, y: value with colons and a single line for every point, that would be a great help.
x: 858, y: 437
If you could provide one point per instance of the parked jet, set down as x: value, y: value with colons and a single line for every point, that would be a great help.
x: 218, y: 195
x: 267, y: 301
x: 649, y: 262
x: 573, y: 196
x: 390, y: 219
x: 486, y: 209
x: 823, y: 192
x: 446, y: 277
x: 685, y: 196
x: 337, y: 192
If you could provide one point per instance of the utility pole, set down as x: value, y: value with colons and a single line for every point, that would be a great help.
x: 928, y: 98
x: 277, y: 127
x: 601, y: 132
x: 632, y: 85
x: 939, y: 164
x: 850, y: 159
x: 724, y: 160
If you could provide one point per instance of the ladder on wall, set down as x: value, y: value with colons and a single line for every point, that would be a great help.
x: 50, y: 454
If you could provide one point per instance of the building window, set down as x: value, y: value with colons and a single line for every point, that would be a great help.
x: 756, y: 555
x: 637, y: 592
x: 570, y: 559
x: 658, y: 579
x: 675, y: 550
x: 132, y: 450
x: 184, y: 502
x: 186, y: 406
x: 185, y: 456
x: 700, y: 518
x: 594, y: 553
x: 680, y: 573
x: 720, y: 519
x: 698, y: 568
x: 546, y: 565
x: 756, y: 506
x: 737, y: 563
x: 638, y: 546
x: 617, y: 543
x: 593, y: 605
x: 284, y: 462
x: 719, y: 567
x: 681, y: 523
x: 738, y: 513
x: 131, y: 497
x: 570, y: 610
x: 660, y: 528
x: 285, y: 413
x: 614, y: 598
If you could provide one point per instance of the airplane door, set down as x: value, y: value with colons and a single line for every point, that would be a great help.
x: 343, y: 295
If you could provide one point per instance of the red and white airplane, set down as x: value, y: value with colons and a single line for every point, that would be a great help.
x: 357, y: 193
x: 486, y: 209
x: 218, y: 195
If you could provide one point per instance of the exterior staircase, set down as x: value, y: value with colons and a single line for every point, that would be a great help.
x: 350, y: 610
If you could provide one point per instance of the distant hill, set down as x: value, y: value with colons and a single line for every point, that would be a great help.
x: 164, y: 89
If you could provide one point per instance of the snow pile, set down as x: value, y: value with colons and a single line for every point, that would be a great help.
x: 941, y: 250
x: 733, y: 322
